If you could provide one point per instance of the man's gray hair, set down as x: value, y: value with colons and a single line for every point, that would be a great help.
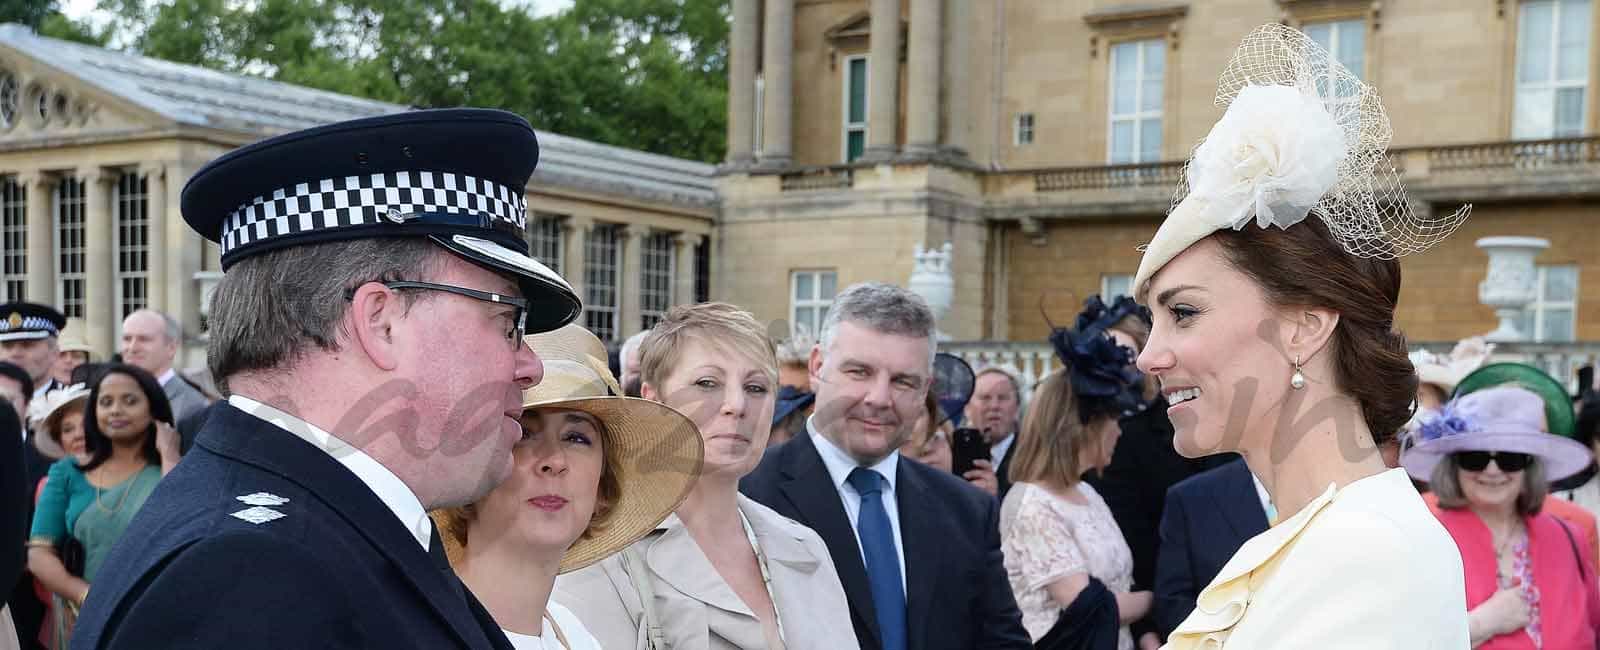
x: 169, y: 325
x: 269, y: 308
x: 884, y: 308
x: 632, y: 344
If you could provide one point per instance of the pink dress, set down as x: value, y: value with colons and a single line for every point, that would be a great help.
x: 1566, y: 606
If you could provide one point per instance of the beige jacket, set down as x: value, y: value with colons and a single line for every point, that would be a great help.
x: 696, y: 609
x: 1365, y: 567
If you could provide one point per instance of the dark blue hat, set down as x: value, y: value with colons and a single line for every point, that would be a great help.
x: 22, y: 321
x: 455, y: 176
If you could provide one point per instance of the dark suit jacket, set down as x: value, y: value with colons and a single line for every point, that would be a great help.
x: 1002, y: 474
x: 338, y: 570
x: 957, y: 596
x: 1208, y: 517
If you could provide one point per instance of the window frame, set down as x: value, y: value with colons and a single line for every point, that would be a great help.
x: 847, y: 127
x: 1019, y: 129
x: 62, y: 199
x: 127, y: 272
x: 814, y: 301
x: 1106, y: 280
x: 13, y: 240
x: 546, y: 231
x: 1138, y: 116
x: 1540, y: 304
x: 656, y: 273
x: 594, y: 266
x: 1553, y: 85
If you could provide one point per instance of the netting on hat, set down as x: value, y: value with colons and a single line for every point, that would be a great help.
x: 1366, y: 208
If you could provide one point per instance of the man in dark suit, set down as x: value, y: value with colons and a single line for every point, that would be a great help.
x: 918, y: 549
x: 369, y: 335
x: 995, y: 410
x: 1207, y: 518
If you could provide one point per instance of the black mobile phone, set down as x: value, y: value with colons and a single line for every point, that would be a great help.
x: 967, y: 445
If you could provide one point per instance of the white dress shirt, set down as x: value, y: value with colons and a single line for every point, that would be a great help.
x: 839, y: 466
x: 390, y: 489
x: 167, y: 376
x: 1266, y: 500
x: 576, y: 634
x: 997, y: 453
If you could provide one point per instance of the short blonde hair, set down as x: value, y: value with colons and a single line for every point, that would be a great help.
x: 717, y: 323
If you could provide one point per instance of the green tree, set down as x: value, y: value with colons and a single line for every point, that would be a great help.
x: 649, y: 76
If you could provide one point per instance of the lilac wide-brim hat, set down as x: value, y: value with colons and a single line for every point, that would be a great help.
x: 1503, y: 418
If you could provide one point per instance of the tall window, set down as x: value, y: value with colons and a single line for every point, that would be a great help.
x: 13, y: 239
x: 1551, y: 318
x: 132, y: 243
x: 1345, y: 40
x: 1138, y: 71
x: 811, y: 295
x: 545, y: 240
x: 69, y: 224
x: 1115, y: 284
x: 601, y: 265
x: 655, y: 278
x: 702, y: 270
x: 855, y: 107
x: 1552, y: 69
x: 1024, y: 130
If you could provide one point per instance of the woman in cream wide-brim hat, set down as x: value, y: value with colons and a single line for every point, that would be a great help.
x: 1273, y: 285
x: 594, y: 472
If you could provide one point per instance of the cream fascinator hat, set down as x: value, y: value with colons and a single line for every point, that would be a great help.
x: 1301, y: 136
x: 44, y: 415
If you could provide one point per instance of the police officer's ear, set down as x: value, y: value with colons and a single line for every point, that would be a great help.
x: 376, y: 312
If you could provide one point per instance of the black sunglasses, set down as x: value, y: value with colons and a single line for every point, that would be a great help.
x: 1509, y: 461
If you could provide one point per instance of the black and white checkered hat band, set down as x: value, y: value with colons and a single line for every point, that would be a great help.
x: 30, y: 324
x: 369, y: 200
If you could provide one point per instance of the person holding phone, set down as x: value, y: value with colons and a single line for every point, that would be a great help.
x: 996, y: 402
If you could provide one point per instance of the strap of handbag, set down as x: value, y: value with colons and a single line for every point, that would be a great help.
x: 633, y: 564
x: 1583, y: 572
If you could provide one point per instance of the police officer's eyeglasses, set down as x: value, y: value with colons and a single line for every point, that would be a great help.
x: 519, y: 314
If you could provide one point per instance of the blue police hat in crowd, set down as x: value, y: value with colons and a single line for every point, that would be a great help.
x: 23, y: 321
x: 455, y: 176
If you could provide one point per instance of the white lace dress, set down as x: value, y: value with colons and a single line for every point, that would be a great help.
x: 1045, y: 538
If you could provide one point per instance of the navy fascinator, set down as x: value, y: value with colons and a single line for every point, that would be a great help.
x: 1101, y: 370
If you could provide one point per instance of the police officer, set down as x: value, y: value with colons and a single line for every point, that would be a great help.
x: 368, y: 334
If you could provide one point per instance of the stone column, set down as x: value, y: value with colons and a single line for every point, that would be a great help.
x: 742, y: 82
x: 155, y: 178
x: 683, y: 268
x: 184, y: 251
x: 923, y: 63
x: 958, y: 92
x: 574, y: 253
x: 99, y: 291
x: 777, y: 74
x: 883, y: 81
x: 41, y: 188
x: 631, y: 277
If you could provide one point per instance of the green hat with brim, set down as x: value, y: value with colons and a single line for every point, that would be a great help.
x: 1558, y: 411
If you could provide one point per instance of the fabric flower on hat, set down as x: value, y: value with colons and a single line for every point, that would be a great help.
x: 1273, y: 155
x: 1101, y: 370
x: 1449, y: 421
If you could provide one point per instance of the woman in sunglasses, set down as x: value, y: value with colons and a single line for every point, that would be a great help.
x: 1489, y: 458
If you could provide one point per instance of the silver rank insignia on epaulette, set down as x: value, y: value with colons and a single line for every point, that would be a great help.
x: 262, y: 499
x: 259, y: 514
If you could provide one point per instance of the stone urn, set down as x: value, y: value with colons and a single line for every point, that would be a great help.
x: 1511, y: 283
x: 931, y: 279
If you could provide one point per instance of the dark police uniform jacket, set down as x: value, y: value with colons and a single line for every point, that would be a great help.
x: 336, y: 570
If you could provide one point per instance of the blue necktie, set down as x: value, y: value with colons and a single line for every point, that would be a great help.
x: 883, y: 561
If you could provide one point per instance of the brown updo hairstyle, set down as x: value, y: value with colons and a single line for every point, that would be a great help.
x: 1137, y: 329
x: 1305, y: 265
x: 454, y: 522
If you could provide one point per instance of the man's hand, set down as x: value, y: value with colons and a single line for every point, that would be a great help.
x: 983, y: 477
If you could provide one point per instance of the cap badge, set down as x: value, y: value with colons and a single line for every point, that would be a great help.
x: 15, y: 320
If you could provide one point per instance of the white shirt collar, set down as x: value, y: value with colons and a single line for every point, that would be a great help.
x: 167, y: 376
x: 997, y: 454
x: 840, y: 464
x: 38, y: 393
x: 1266, y: 499
x: 390, y: 489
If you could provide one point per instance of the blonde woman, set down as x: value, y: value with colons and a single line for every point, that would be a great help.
x: 594, y: 472
x: 723, y: 572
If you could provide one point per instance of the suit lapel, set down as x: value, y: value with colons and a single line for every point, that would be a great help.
x: 681, y: 563
x: 248, y: 439
x: 1238, y: 502
x: 810, y: 489
x: 920, y: 538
